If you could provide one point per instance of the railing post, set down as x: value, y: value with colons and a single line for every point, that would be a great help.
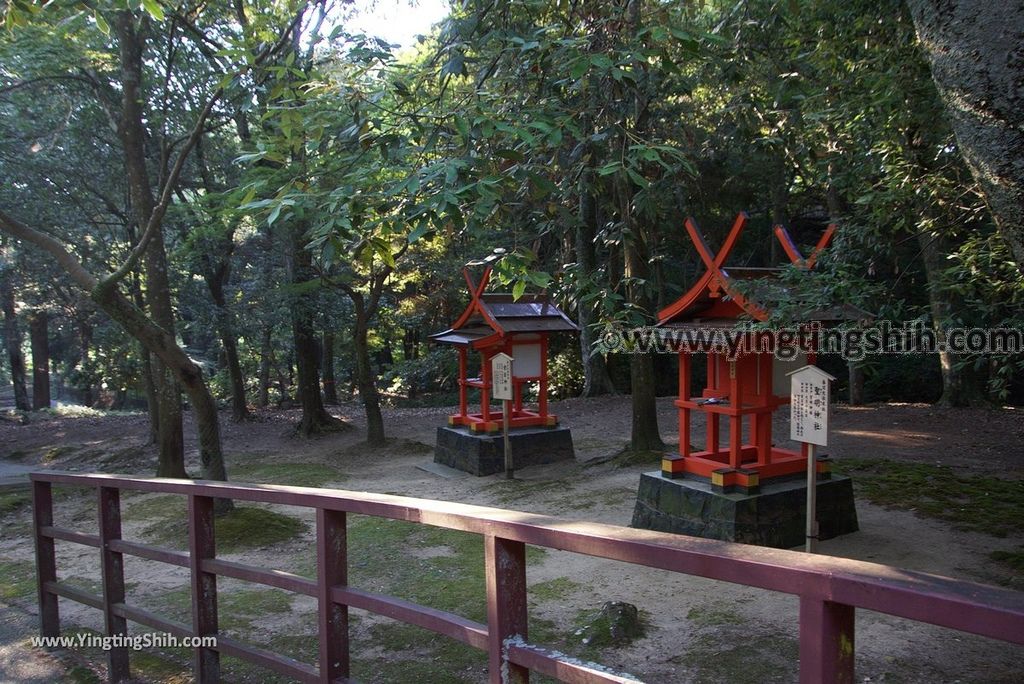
x: 506, y: 605
x: 112, y: 571
x: 46, y: 558
x: 332, y: 570
x: 826, y: 642
x: 201, y: 546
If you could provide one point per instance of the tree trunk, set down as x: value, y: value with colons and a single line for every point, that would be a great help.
x: 266, y: 352
x: 836, y: 211
x: 959, y: 384
x: 365, y: 379
x: 596, y: 380
x: 158, y: 292
x: 330, y: 386
x: 12, y: 340
x: 148, y: 383
x: 156, y: 339
x: 856, y: 380
x: 229, y: 341
x: 39, y: 335
x: 84, y: 365
x: 315, y: 419
x: 645, y: 434
x: 974, y: 48
x: 165, y: 348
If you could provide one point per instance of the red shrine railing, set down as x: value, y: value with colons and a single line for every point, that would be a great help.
x: 829, y: 588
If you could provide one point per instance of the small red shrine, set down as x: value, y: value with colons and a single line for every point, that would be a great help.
x: 495, y: 323
x: 744, y: 388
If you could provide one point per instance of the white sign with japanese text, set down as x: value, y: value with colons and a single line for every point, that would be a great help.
x: 808, y: 405
x: 501, y: 376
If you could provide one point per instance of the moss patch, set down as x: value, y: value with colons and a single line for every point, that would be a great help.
x: 245, y: 527
x: 627, y: 458
x: 976, y: 503
x: 17, y: 579
x: 740, y: 658
x: 82, y: 675
x: 607, y: 628
x: 429, y: 657
x: 712, y: 616
x: 1015, y: 559
x: 163, y: 506
x: 294, y: 474
x: 51, y: 455
x: 554, y: 590
x: 14, y: 501
x: 606, y: 497
x: 428, y: 565
x: 510, y: 491
x: 237, y: 611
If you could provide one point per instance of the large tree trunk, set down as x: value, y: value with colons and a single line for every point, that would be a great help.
x: 330, y: 384
x: 12, y: 340
x: 158, y: 292
x: 974, y: 47
x: 39, y: 335
x: 645, y: 434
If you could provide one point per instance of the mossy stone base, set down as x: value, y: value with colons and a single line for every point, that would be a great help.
x: 481, y: 455
x: 776, y: 516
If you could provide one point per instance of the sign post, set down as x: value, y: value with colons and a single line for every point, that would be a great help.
x: 808, y: 424
x: 501, y: 388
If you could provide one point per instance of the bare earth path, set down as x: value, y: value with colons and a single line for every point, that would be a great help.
x: 698, y: 630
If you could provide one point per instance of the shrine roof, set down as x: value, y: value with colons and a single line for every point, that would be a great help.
x: 501, y: 314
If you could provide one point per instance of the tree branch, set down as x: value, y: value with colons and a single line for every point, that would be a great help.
x: 74, y: 268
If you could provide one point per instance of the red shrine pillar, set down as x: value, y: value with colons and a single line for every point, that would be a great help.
x: 684, y: 412
x: 463, y: 389
x: 542, y: 397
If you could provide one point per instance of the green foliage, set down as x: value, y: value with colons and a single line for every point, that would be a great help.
x: 546, y: 128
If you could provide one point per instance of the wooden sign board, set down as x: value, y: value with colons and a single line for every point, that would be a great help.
x: 808, y: 405
x: 501, y: 376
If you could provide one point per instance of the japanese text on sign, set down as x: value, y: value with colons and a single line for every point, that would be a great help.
x: 809, y: 397
x: 501, y: 376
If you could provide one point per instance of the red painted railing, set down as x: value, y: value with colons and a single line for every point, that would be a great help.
x: 829, y: 588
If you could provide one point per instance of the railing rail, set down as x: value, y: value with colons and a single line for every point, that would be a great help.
x: 829, y: 588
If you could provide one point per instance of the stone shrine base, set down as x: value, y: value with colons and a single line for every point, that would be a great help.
x: 482, y: 454
x: 775, y: 516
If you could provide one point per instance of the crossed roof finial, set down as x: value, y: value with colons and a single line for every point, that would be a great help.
x: 716, y: 280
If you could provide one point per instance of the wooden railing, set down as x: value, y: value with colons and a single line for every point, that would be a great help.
x: 829, y: 588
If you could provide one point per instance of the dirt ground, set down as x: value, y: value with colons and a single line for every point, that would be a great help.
x: 697, y: 630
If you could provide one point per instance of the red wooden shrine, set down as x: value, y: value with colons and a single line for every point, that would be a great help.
x: 746, y: 388
x: 494, y: 323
